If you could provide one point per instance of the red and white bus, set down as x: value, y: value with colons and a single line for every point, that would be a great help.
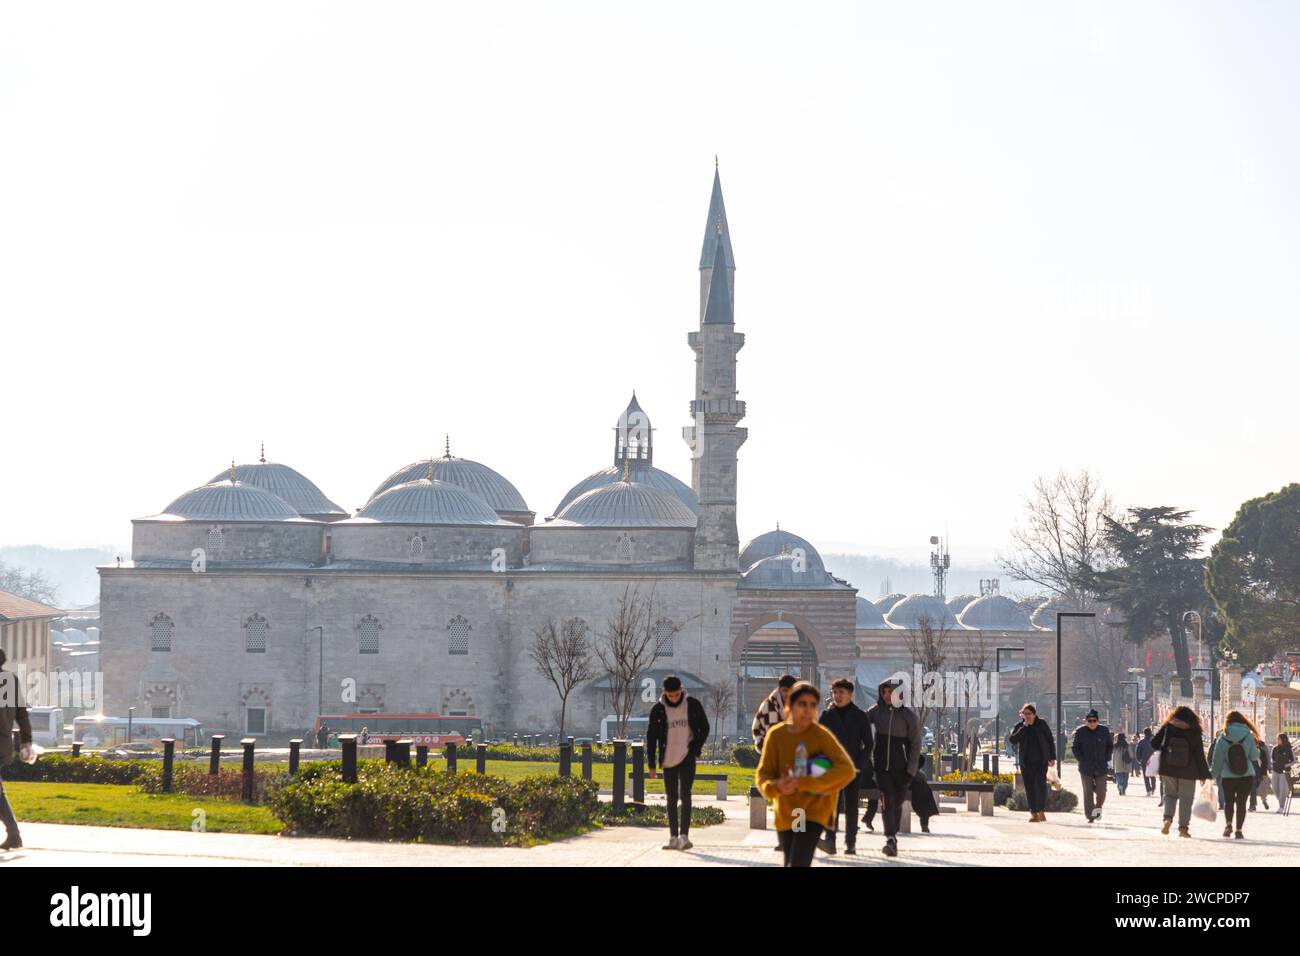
x: 430, y: 729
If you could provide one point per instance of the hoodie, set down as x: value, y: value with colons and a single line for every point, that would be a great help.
x: 658, y: 731
x: 1234, y: 734
x: 896, y: 749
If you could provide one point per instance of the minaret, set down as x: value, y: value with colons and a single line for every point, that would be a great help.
x: 633, y: 436
x: 714, y: 438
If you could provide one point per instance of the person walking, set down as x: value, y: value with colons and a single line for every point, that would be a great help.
x: 1260, y: 789
x: 1092, y: 748
x: 1122, y: 760
x: 770, y: 713
x: 12, y: 711
x: 895, y: 756
x: 1182, y: 763
x: 323, y: 735
x: 1281, y: 759
x: 1035, y: 752
x: 802, y: 770
x: 1233, y: 766
x: 848, y: 722
x: 1143, y: 751
x: 677, y: 731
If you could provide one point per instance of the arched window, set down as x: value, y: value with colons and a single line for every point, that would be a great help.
x: 458, y: 635
x: 664, y: 631
x: 160, y: 633
x: 368, y: 629
x: 255, y: 629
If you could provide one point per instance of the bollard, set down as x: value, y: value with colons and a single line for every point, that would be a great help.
x: 421, y: 755
x: 402, y: 753
x: 295, y: 746
x: 348, y: 742
x: 757, y: 810
x: 638, y: 773
x: 986, y: 762
x: 620, y: 774
x: 249, y: 743
x: 214, y: 762
x: 995, y: 763
x: 390, y: 750
x: 480, y: 758
x: 76, y: 750
x: 169, y: 755
x: 586, y: 761
x: 566, y: 760
x: 516, y: 740
x: 451, y: 758
x: 570, y: 741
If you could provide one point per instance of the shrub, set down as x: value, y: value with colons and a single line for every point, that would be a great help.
x: 654, y: 815
x: 65, y: 768
x: 976, y: 776
x: 1002, y: 793
x: 745, y: 756
x: 600, y: 753
x: 193, y: 779
x: 1058, y: 801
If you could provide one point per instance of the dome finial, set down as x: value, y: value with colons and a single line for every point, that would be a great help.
x: 232, y: 471
x: 446, y: 445
x: 778, y: 526
x: 431, y: 469
x: 262, y: 458
x: 627, y: 476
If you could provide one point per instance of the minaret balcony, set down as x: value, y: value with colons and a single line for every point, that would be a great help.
x: 718, y: 408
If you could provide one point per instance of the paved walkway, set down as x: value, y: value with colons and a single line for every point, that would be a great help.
x: 1127, y: 835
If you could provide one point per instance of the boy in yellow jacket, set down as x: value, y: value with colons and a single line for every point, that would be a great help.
x: 802, y: 770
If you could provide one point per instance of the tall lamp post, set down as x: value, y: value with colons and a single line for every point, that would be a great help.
x: 1125, y: 683
x: 1060, y: 616
x: 997, y: 720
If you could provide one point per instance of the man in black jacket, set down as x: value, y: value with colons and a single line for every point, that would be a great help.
x: 1035, y: 752
x: 848, y: 722
x: 1092, y: 748
x: 677, y: 732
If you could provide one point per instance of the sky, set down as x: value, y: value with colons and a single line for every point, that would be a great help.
x: 975, y: 244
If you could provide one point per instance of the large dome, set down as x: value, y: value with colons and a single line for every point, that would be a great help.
x: 779, y: 542
x: 626, y: 504
x: 869, y: 615
x: 909, y: 611
x: 886, y: 603
x: 429, y: 502
x: 959, y: 603
x: 995, y: 612
x: 229, y: 501
x: 777, y: 571
x: 641, y: 472
x: 285, y: 483
x: 492, y: 487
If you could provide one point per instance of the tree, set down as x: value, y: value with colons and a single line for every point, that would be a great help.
x: 719, y: 697
x: 1063, y: 538
x: 928, y: 646
x: 1253, y: 575
x: 1158, y: 578
x: 563, y: 657
x: 33, y: 585
x: 627, y: 646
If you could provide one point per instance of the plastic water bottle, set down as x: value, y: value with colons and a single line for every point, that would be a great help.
x: 801, y: 760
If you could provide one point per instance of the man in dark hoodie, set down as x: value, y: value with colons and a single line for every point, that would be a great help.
x: 12, y: 713
x: 1144, y: 752
x: 1092, y: 747
x: 848, y: 722
x: 677, y: 731
x: 895, y: 756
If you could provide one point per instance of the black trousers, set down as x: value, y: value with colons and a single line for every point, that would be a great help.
x: 894, y: 789
x: 1150, y: 783
x: 1236, y: 791
x: 798, y: 848
x: 678, y: 781
x: 1035, y: 777
x: 847, y: 803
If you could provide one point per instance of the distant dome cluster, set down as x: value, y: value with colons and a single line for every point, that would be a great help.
x: 968, y: 612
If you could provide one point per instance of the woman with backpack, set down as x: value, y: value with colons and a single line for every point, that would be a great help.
x: 1282, y: 758
x: 1182, y: 764
x: 1122, y: 758
x: 1235, y: 758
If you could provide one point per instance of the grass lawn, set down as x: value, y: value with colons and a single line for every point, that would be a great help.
x: 113, y: 805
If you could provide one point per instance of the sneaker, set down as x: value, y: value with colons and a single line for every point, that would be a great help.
x: 1227, y: 831
x: 12, y: 842
x: 890, y: 848
x: 674, y: 843
x: 1168, y: 823
x: 684, y: 843
x: 1239, y: 835
x: 1096, y: 814
x: 826, y: 845
x: 850, y: 851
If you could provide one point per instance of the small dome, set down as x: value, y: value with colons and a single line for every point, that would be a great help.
x: 285, y: 483
x: 885, y: 604
x: 626, y: 504
x: 869, y: 615
x: 777, y: 571
x: 958, y: 604
x: 641, y: 472
x: 492, y: 487
x: 779, y: 542
x: 1045, y: 616
x: 230, y: 501
x: 909, y: 611
x: 995, y: 612
x: 429, y: 502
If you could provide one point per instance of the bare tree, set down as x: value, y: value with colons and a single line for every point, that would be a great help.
x: 720, y: 696
x: 627, y: 646
x: 929, y: 646
x: 33, y: 585
x: 563, y: 657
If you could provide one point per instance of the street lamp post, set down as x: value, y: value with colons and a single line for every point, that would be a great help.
x: 997, y: 719
x: 1061, y: 615
x: 1122, y: 684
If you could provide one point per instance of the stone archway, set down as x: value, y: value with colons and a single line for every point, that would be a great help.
x: 768, y: 645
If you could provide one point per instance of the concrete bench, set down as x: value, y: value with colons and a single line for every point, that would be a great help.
x: 720, y: 779
x: 978, y: 795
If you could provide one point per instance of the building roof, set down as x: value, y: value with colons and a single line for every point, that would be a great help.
x: 995, y: 612
x: 285, y: 483
x: 717, y: 233
x: 641, y: 472
x: 625, y: 504
x: 777, y: 542
x: 958, y: 603
x: 908, y: 612
x: 491, y: 486
x: 869, y: 615
x: 777, y: 571
x: 719, y: 309
x: 429, y: 502
x: 886, y: 603
x: 15, y: 607
x: 229, y: 501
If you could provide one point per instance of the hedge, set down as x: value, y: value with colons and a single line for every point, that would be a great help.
x: 745, y: 756
x: 194, y: 780
x: 64, y: 768
x: 654, y: 815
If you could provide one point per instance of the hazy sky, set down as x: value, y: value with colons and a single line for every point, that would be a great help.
x: 975, y: 244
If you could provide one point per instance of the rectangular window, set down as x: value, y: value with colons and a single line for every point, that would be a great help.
x: 255, y: 721
x: 163, y: 712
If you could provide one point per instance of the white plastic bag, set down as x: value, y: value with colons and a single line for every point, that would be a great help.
x: 1203, y: 808
x: 1053, y: 778
x: 1153, y: 765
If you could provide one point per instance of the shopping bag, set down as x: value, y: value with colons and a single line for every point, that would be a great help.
x: 1203, y: 808
x: 1153, y: 765
x: 1265, y: 787
x: 1053, y: 778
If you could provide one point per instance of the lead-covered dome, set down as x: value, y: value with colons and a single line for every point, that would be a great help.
x: 641, y: 472
x: 472, y: 476
x: 960, y: 602
x: 290, y: 486
x: 779, y: 542
x: 625, y: 504
x: 778, y: 571
x: 869, y: 615
x: 229, y: 501
x: 909, y: 612
x: 886, y: 603
x: 995, y: 612
x: 429, y: 502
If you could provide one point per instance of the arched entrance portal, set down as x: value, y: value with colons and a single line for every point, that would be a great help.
x: 776, y: 648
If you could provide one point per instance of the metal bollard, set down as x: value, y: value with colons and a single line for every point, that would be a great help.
x: 348, y: 742
x: 638, y: 773
x: 620, y: 774
x: 757, y: 810
x: 451, y: 758
x: 586, y: 761
x: 421, y: 755
x: 169, y: 755
x: 249, y: 743
x: 402, y: 753
x: 986, y: 763
x: 480, y: 758
x: 995, y: 763
x: 76, y: 750
x: 295, y: 746
x: 390, y: 750
x: 566, y: 760
x: 214, y: 762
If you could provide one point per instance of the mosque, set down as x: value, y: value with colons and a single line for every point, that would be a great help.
x: 254, y: 603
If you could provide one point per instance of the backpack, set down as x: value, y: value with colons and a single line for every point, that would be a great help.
x: 1237, y: 762
x: 1176, y: 752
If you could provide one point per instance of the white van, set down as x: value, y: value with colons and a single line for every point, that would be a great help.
x: 636, y: 728
x: 47, y: 725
